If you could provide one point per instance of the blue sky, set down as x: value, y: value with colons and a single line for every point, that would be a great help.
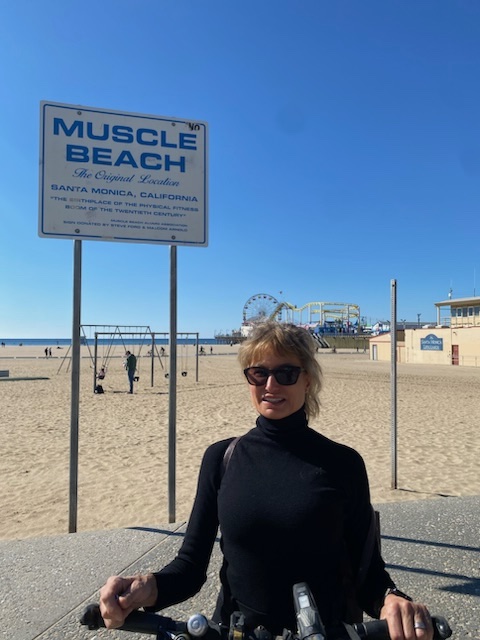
x: 344, y: 151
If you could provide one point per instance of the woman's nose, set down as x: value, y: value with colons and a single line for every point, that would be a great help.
x: 271, y: 382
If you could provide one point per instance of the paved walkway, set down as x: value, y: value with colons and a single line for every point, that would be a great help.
x: 431, y: 547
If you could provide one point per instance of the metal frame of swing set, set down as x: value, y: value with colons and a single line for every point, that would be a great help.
x: 121, y: 334
x: 120, y: 331
x: 115, y: 330
x: 153, y: 350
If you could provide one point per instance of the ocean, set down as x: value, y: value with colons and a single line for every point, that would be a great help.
x: 66, y: 342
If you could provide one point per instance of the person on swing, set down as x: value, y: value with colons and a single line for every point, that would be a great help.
x: 130, y: 366
x: 292, y: 506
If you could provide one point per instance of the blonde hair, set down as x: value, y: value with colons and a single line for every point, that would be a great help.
x: 286, y: 340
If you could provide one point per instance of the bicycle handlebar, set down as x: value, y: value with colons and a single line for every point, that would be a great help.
x: 161, y: 626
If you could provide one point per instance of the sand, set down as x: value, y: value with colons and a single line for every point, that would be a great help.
x: 123, y: 445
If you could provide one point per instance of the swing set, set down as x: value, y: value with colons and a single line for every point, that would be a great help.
x: 106, y: 339
x: 119, y: 336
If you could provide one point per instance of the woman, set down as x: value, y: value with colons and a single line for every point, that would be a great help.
x: 292, y: 506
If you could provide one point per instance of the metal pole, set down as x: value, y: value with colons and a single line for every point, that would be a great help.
x: 172, y: 397
x: 95, y: 352
x: 153, y: 359
x: 196, y: 357
x: 393, y: 380
x: 75, y: 397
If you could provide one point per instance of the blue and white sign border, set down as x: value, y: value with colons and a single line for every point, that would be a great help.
x: 125, y: 177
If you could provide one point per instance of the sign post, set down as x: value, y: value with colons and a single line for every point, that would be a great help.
x: 75, y: 395
x: 121, y: 177
x: 393, y: 379
x: 172, y: 383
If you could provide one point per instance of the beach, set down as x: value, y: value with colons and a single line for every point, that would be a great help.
x: 123, y: 438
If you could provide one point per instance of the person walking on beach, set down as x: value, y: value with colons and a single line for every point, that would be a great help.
x: 292, y: 506
x: 46, y: 352
x: 130, y: 366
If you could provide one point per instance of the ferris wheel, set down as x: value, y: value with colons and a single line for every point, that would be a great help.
x: 259, y: 308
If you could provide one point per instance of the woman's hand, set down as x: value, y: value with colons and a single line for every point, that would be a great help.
x: 120, y: 596
x: 406, y: 620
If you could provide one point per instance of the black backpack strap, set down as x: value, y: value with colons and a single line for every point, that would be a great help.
x: 228, y: 454
x: 354, y: 612
x: 373, y: 538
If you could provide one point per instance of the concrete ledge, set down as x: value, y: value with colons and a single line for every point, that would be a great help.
x: 45, y: 579
x: 28, y: 378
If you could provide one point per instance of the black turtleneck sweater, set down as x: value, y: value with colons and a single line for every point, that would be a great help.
x: 292, y: 506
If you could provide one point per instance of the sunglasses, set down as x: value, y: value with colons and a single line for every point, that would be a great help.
x: 286, y: 375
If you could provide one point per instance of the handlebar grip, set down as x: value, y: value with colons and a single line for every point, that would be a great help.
x: 373, y: 629
x: 92, y: 618
x: 378, y: 629
x: 137, y: 621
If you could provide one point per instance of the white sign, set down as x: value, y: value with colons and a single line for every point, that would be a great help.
x: 125, y: 177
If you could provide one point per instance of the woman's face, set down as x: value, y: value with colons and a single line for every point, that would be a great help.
x: 273, y: 400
